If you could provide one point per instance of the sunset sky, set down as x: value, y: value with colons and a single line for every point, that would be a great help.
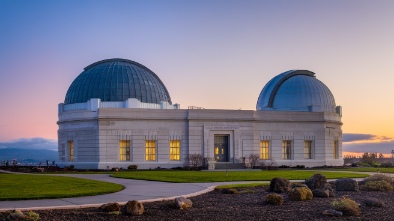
x: 212, y: 54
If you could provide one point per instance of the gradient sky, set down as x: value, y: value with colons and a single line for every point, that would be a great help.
x: 212, y: 54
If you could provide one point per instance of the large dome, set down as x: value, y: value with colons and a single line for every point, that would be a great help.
x: 117, y: 80
x: 296, y: 90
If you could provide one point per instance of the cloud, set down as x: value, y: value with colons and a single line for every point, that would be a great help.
x: 36, y: 143
x: 384, y: 147
x: 357, y: 137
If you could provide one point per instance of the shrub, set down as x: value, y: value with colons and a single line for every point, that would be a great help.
x: 300, y: 166
x: 364, y: 165
x: 132, y: 167
x: 346, y: 206
x: 381, y: 185
x: 379, y: 177
x: 373, y: 202
x: 32, y: 216
x: 274, y: 199
x: 300, y: 194
x: 387, y: 164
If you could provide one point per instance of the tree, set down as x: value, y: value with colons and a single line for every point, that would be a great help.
x: 253, y: 159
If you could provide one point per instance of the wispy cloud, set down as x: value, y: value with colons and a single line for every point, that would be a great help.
x: 357, y: 137
x: 31, y: 143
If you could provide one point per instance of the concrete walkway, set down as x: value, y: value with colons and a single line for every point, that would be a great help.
x: 141, y: 190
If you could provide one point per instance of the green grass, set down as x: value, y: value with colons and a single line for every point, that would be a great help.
x: 220, y: 176
x: 369, y: 169
x: 242, y: 185
x: 22, y: 187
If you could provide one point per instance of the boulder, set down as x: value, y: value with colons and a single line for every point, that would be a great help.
x: 134, y: 208
x: 280, y: 185
x: 110, y: 207
x: 331, y: 212
x: 346, y: 184
x: 300, y: 194
x: 321, y: 193
x: 294, y: 185
x: 183, y: 203
x: 317, y: 181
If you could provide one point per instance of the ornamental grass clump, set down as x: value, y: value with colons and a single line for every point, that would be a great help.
x: 379, y: 177
x: 300, y: 194
x: 346, y: 206
x: 381, y: 186
x: 274, y: 199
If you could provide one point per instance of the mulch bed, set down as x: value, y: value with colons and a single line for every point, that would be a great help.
x: 248, y: 205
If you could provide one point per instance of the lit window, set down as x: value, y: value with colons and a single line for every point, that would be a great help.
x: 286, y: 149
x: 335, y: 147
x: 175, y: 150
x: 307, y: 149
x: 264, y: 149
x: 150, y: 150
x: 71, y: 151
x: 124, y: 150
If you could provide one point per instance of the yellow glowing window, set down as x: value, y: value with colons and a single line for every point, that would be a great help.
x: 286, y: 149
x: 175, y: 150
x: 216, y: 150
x: 335, y: 147
x: 264, y: 149
x: 71, y: 150
x: 150, y: 150
x: 124, y: 150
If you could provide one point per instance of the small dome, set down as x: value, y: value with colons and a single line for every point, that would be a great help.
x: 117, y: 80
x: 296, y: 90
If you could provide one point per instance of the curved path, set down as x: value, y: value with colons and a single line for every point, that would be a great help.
x: 141, y: 190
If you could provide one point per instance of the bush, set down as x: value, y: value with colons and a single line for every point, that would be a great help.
x: 132, y: 167
x: 372, y: 202
x: 364, y: 165
x: 346, y: 206
x: 300, y: 194
x: 274, y: 199
x: 300, y: 166
x: 381, y: 185
x: 379, y: 177
x: 387, y: 164
x: 284, y: 166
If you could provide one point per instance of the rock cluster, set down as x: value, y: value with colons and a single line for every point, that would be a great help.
x: 183, y: 203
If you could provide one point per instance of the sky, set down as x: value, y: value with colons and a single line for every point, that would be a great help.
x: 216, y: 54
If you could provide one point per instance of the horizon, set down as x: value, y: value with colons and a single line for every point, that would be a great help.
x: 212, y: 54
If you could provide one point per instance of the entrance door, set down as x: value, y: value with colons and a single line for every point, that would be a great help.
x: 221, y: 148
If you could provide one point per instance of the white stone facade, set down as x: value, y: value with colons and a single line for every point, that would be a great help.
x: 96, y: 134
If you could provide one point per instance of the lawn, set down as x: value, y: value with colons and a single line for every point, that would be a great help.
x: 220, y: 176
x: 369, y: 169
x: 22, y: 187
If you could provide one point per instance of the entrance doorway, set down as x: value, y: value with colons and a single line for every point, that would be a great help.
x: 221, y: 148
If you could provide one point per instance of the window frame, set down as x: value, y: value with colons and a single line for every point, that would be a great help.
x: 150, y: 150
x: 335, y: 149
x: 308, y: 155
x: 70, y: 145
x: 264, y: 149
x: 124, y: 150
x: 286, y: 150
x: 175, y: 150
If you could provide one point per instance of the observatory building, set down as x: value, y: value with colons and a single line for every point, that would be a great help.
x: 118, y: 113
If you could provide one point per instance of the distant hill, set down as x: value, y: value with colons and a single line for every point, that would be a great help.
x: 28, y: 155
